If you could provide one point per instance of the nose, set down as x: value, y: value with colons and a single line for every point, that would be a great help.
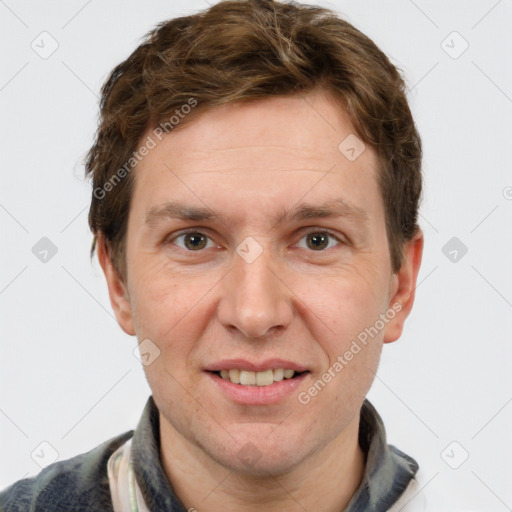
x: 255, y: 301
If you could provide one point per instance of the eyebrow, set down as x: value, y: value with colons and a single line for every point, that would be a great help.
x: 331, y: 209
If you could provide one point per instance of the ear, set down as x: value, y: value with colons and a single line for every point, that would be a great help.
x: 404, y: 288
x: 117, y: 290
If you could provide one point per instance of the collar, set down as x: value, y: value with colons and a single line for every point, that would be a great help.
x: 388, y: 471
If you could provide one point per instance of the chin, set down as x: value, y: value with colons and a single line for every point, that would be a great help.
x: 264, y: 464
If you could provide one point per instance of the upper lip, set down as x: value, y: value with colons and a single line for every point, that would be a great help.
x: 243, y: 364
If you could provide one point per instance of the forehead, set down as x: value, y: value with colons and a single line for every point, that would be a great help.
x: 275, y: 150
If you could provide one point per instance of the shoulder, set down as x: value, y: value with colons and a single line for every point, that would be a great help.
x: 78, y: 484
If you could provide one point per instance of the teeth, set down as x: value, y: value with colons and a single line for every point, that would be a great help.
x: 248, y: 378
x: 264, y: 378
x: 278, y: 374
x: 234, y: 376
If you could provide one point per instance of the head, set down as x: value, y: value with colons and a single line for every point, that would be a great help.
x: 256, y: 179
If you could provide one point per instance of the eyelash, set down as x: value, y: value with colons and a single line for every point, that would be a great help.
x: 305, y: 234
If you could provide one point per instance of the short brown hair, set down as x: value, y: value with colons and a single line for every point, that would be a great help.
x: 240, y: 50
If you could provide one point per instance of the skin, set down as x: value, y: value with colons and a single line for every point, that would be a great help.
x: 250, y: 162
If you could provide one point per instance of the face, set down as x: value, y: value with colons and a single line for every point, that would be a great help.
x: 254, y: 243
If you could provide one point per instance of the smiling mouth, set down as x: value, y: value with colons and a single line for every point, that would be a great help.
x: 260, y: 379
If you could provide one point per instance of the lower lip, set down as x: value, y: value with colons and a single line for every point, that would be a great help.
x: 257, y: 395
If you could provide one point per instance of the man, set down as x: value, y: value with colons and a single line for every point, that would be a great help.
x: 256, y: 179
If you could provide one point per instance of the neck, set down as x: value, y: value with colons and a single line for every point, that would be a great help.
x: 326, y: 480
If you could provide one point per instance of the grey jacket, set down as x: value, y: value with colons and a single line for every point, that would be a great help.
x: 81, y: 483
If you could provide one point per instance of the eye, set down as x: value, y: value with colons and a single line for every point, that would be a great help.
x: 193, y: 241
x: 319, y: 240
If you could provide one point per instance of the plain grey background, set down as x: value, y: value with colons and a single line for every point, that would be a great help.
x: 69, y: 377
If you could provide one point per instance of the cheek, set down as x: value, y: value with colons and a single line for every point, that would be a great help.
x: 342, y: 321
x: 342, y: 312
x: 343, y: 304
x: 164, y: 301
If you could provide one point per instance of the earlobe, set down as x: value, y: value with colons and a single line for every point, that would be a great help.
x: 118, y: 293
x: 404, y: 287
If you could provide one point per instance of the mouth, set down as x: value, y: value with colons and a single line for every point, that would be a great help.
x: 258, y: 379
x: 256, y: 388
x: 267, y: 382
